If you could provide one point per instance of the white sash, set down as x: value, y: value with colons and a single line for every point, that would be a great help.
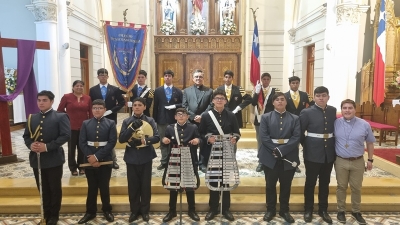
x: 215, y: 122
x: 176, y: 135
x: 145, y: 92
x: 265, y: 103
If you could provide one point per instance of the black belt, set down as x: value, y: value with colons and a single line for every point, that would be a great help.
x: 351, y: 158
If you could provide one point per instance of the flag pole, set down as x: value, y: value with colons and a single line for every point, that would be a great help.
x: 254, y: 13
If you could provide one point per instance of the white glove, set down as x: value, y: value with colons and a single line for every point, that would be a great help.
x: 169, y: 107
x: 237, y: 109
x: 108, y: 112
x: 258, y: 87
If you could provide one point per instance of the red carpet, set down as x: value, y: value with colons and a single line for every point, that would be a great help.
x: 387, y: 153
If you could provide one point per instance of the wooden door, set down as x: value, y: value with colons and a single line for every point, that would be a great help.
x: 198, y: 61
x: 310, y: 69
x: 172, y: 62
x: 84, y: 58
x: 222, y: 63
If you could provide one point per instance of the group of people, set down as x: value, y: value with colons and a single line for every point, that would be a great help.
x: 327, y: 141
x: 184, y: 118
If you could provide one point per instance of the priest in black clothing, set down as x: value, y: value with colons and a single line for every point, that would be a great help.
x: 279, y: 155
x: 227, y: 121
x: 97, y: 139
x: 189, y: 136
x: 139, y: 160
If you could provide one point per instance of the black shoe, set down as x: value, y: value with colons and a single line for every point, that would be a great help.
x: 341, y: 217
x: 287, y: 217
x: 298, y: 170
x: 169, y: 216
x: 193, y: 215
x: 325, y: 216
x: 109, y: 216
x: 86, y: 218
x: 115, y: 165
x: 269, y: 216
x: 210, y: 215
x: 308, y: 217
x: 146, y: 217
x: 228, y: 215
x: 161, y: 167
x: 259, y: 168
x: 133, y: 217
x: 52, y: 221
x: 358, y: 217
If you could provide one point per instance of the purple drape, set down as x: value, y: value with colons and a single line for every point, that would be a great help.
x: 26, y: 77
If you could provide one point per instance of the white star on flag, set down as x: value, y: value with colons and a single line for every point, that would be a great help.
x: 255, y: 39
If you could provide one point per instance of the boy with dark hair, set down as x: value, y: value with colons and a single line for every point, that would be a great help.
x: 44, y: 135
x: 237, y: 99
x: 280, y: 135
x: 140, y: 133
x: 262, y: 100
x: 143, y: 91
x: 318, y: 152
x: 166, y: 99
x: 227, y: 122
x: 180, y: 134
x: 112, y: 97
x: 97, y: 139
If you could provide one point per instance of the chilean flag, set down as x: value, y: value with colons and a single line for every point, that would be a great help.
x: 255, y: 57
x: 255, y: 66
x: 380, y: 54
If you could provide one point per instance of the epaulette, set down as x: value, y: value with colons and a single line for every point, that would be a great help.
x: 310, y: 98
x: 151, y: 93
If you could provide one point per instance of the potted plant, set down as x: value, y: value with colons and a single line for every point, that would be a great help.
x: 228, y: 27
x: 167, y: 27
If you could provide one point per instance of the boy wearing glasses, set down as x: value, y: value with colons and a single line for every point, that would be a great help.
x: 139, y: 155
x: 228, y: 123
x: 97, y: 139
x: 188, y: 135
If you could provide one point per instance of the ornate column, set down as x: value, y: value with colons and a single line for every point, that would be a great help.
x: 342, y: 49
x: 45, y: 13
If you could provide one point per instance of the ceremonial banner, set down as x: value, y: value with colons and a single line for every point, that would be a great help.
x: 126, y: 48
x: 380, y: 54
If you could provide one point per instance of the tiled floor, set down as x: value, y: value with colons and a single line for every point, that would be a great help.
x: 240, y: 219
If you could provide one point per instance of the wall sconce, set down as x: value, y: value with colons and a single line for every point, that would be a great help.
x: 65, y: 45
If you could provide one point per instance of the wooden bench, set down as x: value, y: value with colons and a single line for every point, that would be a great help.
x: 383, y: 121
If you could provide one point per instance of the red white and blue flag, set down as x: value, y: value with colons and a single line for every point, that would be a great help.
x: 255, y: 57
x: 380, y: 54
x: 255, y: 66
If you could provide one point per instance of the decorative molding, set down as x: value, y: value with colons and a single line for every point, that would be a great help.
x: 70, y: 11
x: 197, y: 44
x: 391, y: 22
x: 43, y: 10
x: 349, y: 12
x: 292, y: 35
